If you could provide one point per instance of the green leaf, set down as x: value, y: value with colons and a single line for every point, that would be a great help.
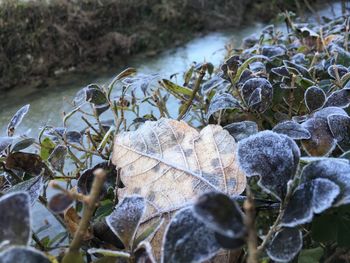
x: 175, y: 89
x: 312, y: 255
x: 108, y: 252
x: 47, y: 146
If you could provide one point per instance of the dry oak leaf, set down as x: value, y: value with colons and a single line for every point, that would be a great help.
x: 170, y: 164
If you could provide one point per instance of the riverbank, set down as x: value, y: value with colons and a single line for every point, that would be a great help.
x: 40, y: 40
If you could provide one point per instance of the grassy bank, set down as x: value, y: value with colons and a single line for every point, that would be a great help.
x: 40, y: 40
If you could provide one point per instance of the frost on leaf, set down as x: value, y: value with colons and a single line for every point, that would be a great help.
x: 126, y: 218
x: 257, y: 93
x: 340, y: 98
x: 57, y: 157
x: 336, y: 170
x: 221, y: 214
x: 143, y: 253
x: 314, y: 98
x: 187, y: 239
x: 5, y: 142
x: 242, y: 130
x: 340, y: 128
x: 285, y: 245
x: 322, y: 142
x: 292, y: 129
x: 15, y: 218
x: 170, y: 163
x: 272, y: 156
x: 315, y: 196
x: 32, y: 186
x: 17, y: 119
x: 221, y: 102
x: 337, y: 71
x: 23, y: 255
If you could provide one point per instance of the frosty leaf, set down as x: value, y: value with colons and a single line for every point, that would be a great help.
x: 292, y: 129
x: 92, y: 93
x: 21, y: 144
x: 221, y: 102
x: 32, y: 186
x: 281, y: 71
x: 57, y: 157
x: 299, y: 68
x: 170, y: 163
x: 73, y: 136
x: 314, y: 98
x: 336, y: 170
x: 17, y: 119
x: 126, y: 218
x: 187, y: 239
x: 60, y: 202
x: 220, y: 213
x: 149, y: 232
x: 285, y: 245
x: 242, y: 130
x: 5, y: 142
x: 258, y: 100
x: 273, y: 51
x: 316, y: 196
x: 23, y: 255
x: 340, y: 128
x: 337, y: 71
x: 15, y: 218
x: 340, y: 98
x: 216, y: 83
x: 143, y: 253
x: 272, y: 156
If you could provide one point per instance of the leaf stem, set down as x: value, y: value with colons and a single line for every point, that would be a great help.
x: 249, y: 222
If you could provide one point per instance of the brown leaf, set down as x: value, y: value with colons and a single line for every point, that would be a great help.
x: 27, y: 162
x: 170, y: 163
x: 72, y: 219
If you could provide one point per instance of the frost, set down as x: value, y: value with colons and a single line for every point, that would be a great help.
x: 23, y: 255
x: 340, y: 98
x: 187, y: 239
x: 337, y: 71
x: 257, y: 93
x: 143, y: 253
x: 285, y: 245
x: 340, y: 128
x: 242, y: 130
x: 315, y: 195
x: 15, y: 223
x: 272, y: 156
x: 300, y: 69
x: 325, y: 112
x: 57, y: 157
x: 336, y: 170
x: 216, y: 83
x: 17, y: 119
x: 281, y: 71
x: 5, y: 142
x: 273, y: 51
x: 314, y: 98
x: 32, y: 186
x: 221, y: 214
x: 221, y: 102
x: 126, y: 218
x: 292, y: 129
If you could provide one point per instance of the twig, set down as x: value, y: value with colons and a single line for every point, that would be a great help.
x: 249, y: 222
x: 88, y: 210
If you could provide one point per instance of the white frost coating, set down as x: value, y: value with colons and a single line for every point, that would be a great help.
x: 314, y: 98
x: 317, y: 195
x: 126, y: 217
x: 32, y: 187
x: 272, y: 156
x: 108, y: 252
x: 340, y: 128
x: 187, y: 239
x: 222, y: 101
x: 11, y: 215
x: 340, y: 98
x: 18, y: 117
x: 23, y: 254
x: 285, y: 245
x: 292, y: 129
